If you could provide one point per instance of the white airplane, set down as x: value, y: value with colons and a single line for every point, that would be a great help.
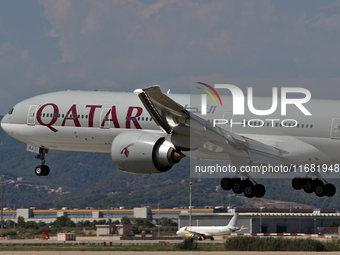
x: 210, y: 231
x: 153, y: 133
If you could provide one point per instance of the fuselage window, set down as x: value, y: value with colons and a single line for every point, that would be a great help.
x: 59, y: 115
x: 142, y: 118
x: 78, y: 116
x: 55, y: 115
x: 150, y: 119
x: 63, y: 116
x: 302, y: 125
x: 86, y: 117
x: 146, y: 118
x: 82, y: 116
x: 298, y: 125
x: 44, y: 115
x: 311, y: 125
x: 267, y: 124
x: 276, y: 125
x: 306, y: 125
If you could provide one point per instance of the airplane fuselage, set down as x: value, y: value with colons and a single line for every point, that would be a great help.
x: 89, y: 121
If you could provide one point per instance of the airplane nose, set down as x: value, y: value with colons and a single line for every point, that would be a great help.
x: 5, y: 124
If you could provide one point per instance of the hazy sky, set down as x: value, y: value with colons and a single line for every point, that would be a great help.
x: 122, y: 45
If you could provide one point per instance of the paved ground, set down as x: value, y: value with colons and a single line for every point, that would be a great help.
x: 159, y: 253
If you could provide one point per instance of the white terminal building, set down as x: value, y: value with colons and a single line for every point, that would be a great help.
x: 254, y: 220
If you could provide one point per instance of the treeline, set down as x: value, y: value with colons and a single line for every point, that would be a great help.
x: 92, y: 180
x: 64, y: 223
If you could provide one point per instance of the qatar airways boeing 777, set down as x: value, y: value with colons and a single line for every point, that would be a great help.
x: 148, y: 132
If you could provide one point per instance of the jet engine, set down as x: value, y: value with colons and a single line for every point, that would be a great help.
x: 143, y: 153
x: 188, y: 235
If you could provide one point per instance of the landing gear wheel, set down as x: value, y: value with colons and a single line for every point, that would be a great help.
x: 200, y: 238
x: 330, y: 190
x: 249, y: 189
x: 238, y: 187
x: 46, y: 170
x: 42, y: 170
x: 309, y: 185
x: 226, y: 183
x: 297, y: 183
x: 259, y: 190
x: 319, y: 188
x: 39, y: 170
x: 212, y: 238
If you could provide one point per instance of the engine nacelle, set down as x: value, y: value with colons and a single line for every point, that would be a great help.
x: 143, y: 153
x: 188, y: 235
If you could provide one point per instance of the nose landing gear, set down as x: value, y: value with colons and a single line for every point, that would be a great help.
x: 42, y: 170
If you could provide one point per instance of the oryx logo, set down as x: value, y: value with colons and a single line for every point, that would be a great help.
x: 126, y: 150
x: 204, y: 97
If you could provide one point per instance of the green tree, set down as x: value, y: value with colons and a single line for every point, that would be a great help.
x: 125, y: 220
x: 166, y: 222
x: 63, y: 221
x: 21, y: 222
x: 334, y: 224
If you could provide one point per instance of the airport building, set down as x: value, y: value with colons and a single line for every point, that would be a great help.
x: 254, y: 220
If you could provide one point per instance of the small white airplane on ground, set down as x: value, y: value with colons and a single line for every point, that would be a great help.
x: 210, y: 231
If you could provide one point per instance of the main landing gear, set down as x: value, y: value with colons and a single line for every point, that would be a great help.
x: 318, y: 185
x: 42, y: 170
x: 248, y: 186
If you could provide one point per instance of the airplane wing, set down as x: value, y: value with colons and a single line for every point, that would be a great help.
x: 192, y: 133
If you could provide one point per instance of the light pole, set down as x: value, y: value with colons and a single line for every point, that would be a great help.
x: 261, y: 207
x: 190, y: 207
x: 159, y: 222
x: 2, y: 183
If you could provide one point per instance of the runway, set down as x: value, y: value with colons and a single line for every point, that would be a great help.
x: 159, y: 253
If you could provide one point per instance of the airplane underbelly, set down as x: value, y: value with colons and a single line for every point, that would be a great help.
x: 67, y: 138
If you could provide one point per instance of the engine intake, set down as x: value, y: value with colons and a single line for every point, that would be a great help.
x: 143, y: 153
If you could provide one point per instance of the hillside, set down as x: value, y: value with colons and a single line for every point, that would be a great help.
x: 91, y: 179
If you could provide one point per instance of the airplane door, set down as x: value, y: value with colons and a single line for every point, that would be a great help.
x: 228, y: 116
x: 31, y: 115
x: 104, y: 118
x: 335, y: 129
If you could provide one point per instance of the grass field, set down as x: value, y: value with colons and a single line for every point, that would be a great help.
x: 231, y: 244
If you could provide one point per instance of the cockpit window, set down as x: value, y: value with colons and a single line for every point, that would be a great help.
x: 11, y: 111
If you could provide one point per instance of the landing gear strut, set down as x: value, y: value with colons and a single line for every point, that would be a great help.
x: 318, y: 185
x: 42, y: 170
x: 248, y: 186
